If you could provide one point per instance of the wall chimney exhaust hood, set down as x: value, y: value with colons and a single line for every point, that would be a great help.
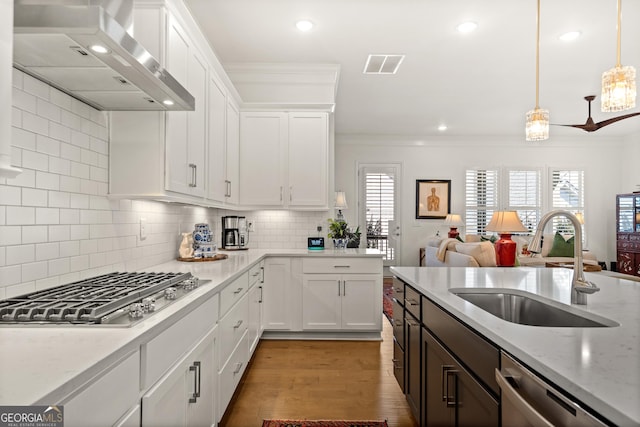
x: 82, y: 47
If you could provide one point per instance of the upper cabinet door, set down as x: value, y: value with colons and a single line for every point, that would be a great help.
x: 263, y: 139
x: 233, y: 154
x: 308, y: 159
x: 216, y: 142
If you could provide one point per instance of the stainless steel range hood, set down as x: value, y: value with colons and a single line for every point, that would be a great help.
x: 53, y: 42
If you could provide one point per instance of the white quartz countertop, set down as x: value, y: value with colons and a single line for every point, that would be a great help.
x: 597, y: 366
x: 44, y: 364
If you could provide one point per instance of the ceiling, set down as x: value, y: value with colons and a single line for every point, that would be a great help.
x: 481, y: 83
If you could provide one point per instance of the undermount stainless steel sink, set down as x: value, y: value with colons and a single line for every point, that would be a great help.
x: 525, y: 308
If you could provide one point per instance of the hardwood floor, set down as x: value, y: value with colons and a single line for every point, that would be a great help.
x: 350, y: 380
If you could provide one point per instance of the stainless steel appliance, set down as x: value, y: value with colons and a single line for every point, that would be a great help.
x: 84, y: 48
x: 234, y: 232
x: 527, y: 400
x: 120, y: 299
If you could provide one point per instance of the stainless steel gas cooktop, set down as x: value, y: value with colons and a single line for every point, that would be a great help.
x: 116, y: 299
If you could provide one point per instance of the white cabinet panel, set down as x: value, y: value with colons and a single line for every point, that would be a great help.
x: 89, y: 407
x: 233, y: 154
x: 185, y: 396
x: 308, y: 159
x: 284, y: 159
x: 321, y: 301
x: 263, y: 139
x: 362, y: 302
x: 277, y: 294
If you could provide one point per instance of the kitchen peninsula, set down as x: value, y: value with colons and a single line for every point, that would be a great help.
x: 597, y: 367
x: 216, y: 325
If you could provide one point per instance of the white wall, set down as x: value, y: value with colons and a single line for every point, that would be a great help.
x: 449, y: 157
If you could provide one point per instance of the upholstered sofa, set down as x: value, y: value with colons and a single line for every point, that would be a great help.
x: 476, y: 252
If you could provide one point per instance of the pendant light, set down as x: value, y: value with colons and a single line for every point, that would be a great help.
x: 537, y: 128
x: 619, y: 83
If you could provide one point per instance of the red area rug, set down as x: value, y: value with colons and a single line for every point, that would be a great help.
x: 308, y: 423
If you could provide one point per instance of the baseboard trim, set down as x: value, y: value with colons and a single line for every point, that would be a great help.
x: 326, y: 336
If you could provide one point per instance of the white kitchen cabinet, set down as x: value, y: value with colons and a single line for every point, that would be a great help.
x: 186, y: 161
x: 342, y: 294
x: 185, y: 395
x: 223, y: 145
x: 232, y: 154
x: 181, y: 155
x: 287, y: 154
x: 255, y: 327
x: 277, y: 293
x: 88, y: 407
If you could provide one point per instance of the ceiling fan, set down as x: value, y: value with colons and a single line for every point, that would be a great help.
x: 591, y: 126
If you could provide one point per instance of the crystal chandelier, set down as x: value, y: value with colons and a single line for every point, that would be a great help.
x: 619, y: 83
x: 537, y: 128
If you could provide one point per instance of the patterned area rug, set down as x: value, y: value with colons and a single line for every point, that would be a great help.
x: 326, y: 423
x: 387, y: 298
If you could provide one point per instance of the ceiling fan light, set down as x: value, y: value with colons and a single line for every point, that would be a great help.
x: 618, y: 89
x: 537, y: 127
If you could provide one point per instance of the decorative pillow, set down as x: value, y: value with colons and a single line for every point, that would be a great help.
x: 483, y: 252
x: 561, y: 247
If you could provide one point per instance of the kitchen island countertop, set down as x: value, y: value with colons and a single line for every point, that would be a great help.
x: 598, y: 366
x: 43, y: 364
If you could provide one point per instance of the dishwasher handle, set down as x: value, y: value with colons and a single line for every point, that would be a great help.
x: 523, y: 407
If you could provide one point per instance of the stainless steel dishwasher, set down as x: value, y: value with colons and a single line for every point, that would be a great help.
x: 529, y: 401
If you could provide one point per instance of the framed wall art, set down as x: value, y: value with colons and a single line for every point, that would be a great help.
x: 433, y: 198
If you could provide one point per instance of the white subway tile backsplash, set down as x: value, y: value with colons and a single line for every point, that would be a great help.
x: 34, y: 271
x: 24, y: 101
x: 19, y: 215
x: 47, y: 216
x: 10, y: 195
x: 80, y: 201
x: 20, y: 254
x: 79, y: 263
x: 70, y: 152
x: 35, y: 87
x: 88, y: 157
x: 22, y: 288
x: 10, y: 275
x: 69, y: 216
x: 59, y: 199
x: 48, y: 110
x: 34, y: 197
x: 80, y: 170
x: 47, y: 145
x: 58, y: 266
x: 59, y: 98
x: 59, y: 132
x: 70, y: 119
x: 23, y: 139
x: 49, y: 282
x: 70, y: 184
x: 34, y: 160
x: 59, y: 233
x: 35, y: 234
x: 3, y: 252
x: 26, y: 179
x: 89, y: 187
x: 16, y: 117
x: 100, y: 146
x: 69, y: 248
x: 35, y: 124
x: 48, y: 181
x: 99, y: 174
x: 78, y: 232
x: 59, y: 166
x: 80, y: 139
x: 17, y: 78
x: 46, y: 251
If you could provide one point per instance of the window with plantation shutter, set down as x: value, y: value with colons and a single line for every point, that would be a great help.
x: 380, y: 207
x: 567, y: 193
x: 524, y: 196
x: 481, y: 199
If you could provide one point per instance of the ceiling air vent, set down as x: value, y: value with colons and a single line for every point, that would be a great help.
x: 383, y: 64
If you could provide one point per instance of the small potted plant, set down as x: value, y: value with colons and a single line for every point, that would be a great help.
x: 353, y: 238
x: 338, y: 230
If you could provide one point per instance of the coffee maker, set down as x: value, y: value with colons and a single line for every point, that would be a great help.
x: 234, y: 232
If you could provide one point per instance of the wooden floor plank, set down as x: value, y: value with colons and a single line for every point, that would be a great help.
x: 350, y: 380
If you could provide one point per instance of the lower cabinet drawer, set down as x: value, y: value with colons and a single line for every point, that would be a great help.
x: 163, y: 351
x: 108, y: 398
x: 412, y: 302
x: 231, y: 373
x: 398, y: 323
x: 342, y: 265
x: 232, y: 327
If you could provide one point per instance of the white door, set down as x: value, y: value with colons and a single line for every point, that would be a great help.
x: 379, y: 206
x: 361, y: 302
x: 321, y: 301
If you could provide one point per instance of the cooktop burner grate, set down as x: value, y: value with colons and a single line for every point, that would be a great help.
x: 87, y: 301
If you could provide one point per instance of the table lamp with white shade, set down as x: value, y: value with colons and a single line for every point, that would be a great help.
x: 453, y: 221
x: 340, y: 203
x: 504, y: 223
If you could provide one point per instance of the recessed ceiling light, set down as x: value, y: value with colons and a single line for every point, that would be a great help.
x: 570, y: 36
x: 304, y: 25
x: 442, y: 127
x: 167, y: 102
x: 98, y: 48
x: 467, y: 27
